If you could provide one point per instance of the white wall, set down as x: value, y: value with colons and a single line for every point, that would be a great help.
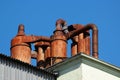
x: 91, y: 73
x: 84, y: 72
x: 70, y: 73
x: 83, y: 67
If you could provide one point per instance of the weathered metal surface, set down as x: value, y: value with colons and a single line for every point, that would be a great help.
x: 87, y: 43
x: 47, y: 52
x: 81, y: 43
x: 22, y: 53
x: 58, y: 43
x: 94, y: 37
x: 20, y: 45
x: 19, y: 49
x: 51, y: 50
x: 43, y: 49
x: 40, y: 57
x: 33, y: 54
x: 77, y: 39
x: 74, y: 46
x: 42, y: 43
x: 74, y: 49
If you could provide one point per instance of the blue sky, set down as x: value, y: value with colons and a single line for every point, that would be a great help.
x: 39, y: 17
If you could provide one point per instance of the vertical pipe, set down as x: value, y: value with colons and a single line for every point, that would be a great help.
x: 74, y: 48
x: 94, y: 37
x: 81, y: 43
x: 43, y: 49
x: 47, y: 57
x: 95, y: 43
x: 87, y: 43
x: 40, y: 58
x: 47, y: 52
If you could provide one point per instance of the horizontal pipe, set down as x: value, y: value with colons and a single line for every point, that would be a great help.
x: 94, y: 29
x: 33, y: 38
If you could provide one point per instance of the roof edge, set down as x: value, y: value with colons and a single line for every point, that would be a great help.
x: 84, y: 56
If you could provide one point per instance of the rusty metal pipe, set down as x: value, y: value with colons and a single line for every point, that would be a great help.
x: 87, y: 44
x: 81, y: 43
x: 94, y: 29
x: 20, y: 44
x: 33, y: 38
x: 74, y: 48
x: 21, y: 30
x: 40, y: 57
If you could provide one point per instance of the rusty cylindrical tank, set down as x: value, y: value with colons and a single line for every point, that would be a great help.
x: 58, y: 43
x: 19, y: 49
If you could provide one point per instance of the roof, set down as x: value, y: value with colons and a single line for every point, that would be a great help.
x: 94, y: 62
x: 15, y: 61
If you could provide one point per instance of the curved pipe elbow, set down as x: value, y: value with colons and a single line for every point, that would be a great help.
x: 92, y: 26
x: 60, y: 21
x: 82, y: 29
x: 61, y: 25
x: 94, y: 37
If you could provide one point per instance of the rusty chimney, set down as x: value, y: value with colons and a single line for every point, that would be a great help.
x: 19, y: 49
x: 58, y: 43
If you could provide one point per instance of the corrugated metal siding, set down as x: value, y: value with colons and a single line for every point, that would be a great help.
x: 15, y: 70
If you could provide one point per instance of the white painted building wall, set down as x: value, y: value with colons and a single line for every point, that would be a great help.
x: 85, y: 72
x: 70, y: 73
x: 91, y: 73
x: 83, y: 67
